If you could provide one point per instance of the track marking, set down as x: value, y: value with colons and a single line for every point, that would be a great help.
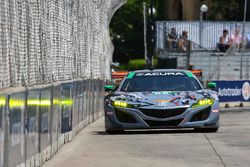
x: 217, y: 154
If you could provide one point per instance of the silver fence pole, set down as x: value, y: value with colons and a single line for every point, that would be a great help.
x: 200, y: 28
x: 243, y: 37
x: 145, y: 32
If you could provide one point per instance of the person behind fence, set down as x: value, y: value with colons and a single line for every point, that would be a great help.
x: 173, y: 38
x: 236, y: 39
x: 224, y: 42
x: 183, y: 42
x: 248, y: 41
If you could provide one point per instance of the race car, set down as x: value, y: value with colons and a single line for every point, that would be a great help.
x: 161, y: 99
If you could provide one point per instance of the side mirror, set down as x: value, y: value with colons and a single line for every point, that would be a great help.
x: 212, y: 85
x: 109, y: 88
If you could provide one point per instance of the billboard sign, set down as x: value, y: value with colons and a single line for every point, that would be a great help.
x: 232, y: 91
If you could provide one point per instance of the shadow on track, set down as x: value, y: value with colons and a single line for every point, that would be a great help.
x: 142, y: 132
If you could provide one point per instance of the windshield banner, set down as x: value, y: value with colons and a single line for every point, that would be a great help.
x: 232, y: 91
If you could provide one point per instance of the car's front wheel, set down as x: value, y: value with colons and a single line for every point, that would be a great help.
x: 206, y: 130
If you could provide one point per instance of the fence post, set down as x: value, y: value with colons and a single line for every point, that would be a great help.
x: 218, y: 66
x: 188, y: 54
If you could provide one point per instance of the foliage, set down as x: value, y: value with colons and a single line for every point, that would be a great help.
x: 138, y: 64
x: 229, y: 10
x: 221, y: 10
x: 126, y: 28
x: 127, y: 31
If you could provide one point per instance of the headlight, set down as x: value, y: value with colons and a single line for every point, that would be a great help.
x: 120, y: 104
x: 203, y: 102
x: 124, y: 104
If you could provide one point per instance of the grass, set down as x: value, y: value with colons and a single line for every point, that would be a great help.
x: 135, y: 64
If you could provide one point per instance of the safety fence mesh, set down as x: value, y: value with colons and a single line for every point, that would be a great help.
x: 43, y: 41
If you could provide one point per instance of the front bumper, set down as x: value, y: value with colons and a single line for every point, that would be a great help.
x: 150, y: 118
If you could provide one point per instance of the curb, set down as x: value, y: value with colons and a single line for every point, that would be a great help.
x: 235, y: 109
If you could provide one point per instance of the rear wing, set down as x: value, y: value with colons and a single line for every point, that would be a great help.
x: 198, y: 74
x: 118, y: 76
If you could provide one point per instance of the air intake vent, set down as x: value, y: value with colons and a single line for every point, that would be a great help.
x: 163, y: 113
x: 172, y: 123
x: 202, y: 115
x: 124, y: 117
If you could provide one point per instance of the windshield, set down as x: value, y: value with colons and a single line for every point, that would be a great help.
x: 161, y: 83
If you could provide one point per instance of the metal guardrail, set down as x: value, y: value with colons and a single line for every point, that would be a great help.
x: 214, y: 65
x: 36, y: 121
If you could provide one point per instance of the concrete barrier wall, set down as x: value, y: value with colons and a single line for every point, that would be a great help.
x: 36, y: 121
x: 2, y: 118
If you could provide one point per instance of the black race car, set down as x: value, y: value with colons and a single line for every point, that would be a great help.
x: 155, y: 99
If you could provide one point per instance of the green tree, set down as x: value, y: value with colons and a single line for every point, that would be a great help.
x: 227, y: 10
x: 126, y: 30
x: 126, y: 27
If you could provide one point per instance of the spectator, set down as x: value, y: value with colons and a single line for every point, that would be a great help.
x: 190, y: 67
x: 172, y: 39
x: 183, y: 43
x: 236, y: 39
x: 224, y: 42
x: 248, y: 40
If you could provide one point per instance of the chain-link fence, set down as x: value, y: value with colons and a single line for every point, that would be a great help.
x: 46, y: 41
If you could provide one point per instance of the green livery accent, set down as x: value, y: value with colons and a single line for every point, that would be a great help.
x: 131, y: 75
x: 109, y: 87
x: 189, y: 74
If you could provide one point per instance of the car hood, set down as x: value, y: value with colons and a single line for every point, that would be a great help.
x: 165, y: 98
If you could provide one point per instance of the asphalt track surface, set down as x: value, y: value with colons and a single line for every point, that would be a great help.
x: 92, y: 147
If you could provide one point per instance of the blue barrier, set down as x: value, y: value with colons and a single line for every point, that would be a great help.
x: 45, y: 123
x: 78, y: 106
x: 56, y: 118
x: 66, y: 104
x: 89, y: 102
x: 32, y: 124
x: 16, y: 136
x: 233, y: 91
x: 35, y: 122
x: 2, y: 119
x: 85, y: 103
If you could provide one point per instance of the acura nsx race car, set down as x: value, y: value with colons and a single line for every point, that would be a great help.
x: 156, y: 99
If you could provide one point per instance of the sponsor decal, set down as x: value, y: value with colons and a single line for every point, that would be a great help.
x: 131, y: 75
x: 110, y: 113
x: 161, y: 93
x: 139, y: 74
x: 246, y: 90
x: 215, y: 110
x: 159, y: 74
x: 214, y: 96
x: 189, y: 74
x: 229, y: 91
x: 163, y: 104
x: 162, y: 101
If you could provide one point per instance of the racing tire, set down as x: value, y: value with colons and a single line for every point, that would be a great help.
x: 112, y: 132
x: 206, y: 130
